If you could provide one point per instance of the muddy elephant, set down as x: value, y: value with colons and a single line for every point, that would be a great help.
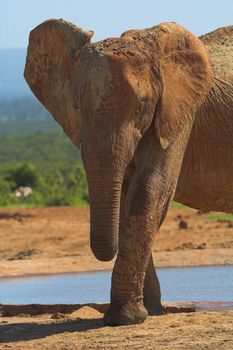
x: 137, y: 106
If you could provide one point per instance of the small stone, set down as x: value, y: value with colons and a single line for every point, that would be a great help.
x: 201, y: 246
x: 183, y: 224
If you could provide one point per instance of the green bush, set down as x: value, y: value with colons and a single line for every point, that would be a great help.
x: 24, y: 174
x: 5, y: 192
x: 53, y: 184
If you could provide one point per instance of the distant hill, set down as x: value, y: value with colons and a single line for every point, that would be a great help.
x: 23, y: 116
x: 21, y: 109
x: 12, y: 83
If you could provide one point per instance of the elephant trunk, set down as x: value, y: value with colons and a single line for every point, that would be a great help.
x: 104, y: 215
x: 106, y: 158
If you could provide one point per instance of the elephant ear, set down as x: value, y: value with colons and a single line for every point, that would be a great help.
x: 50, y: 68
x: 186, y: 80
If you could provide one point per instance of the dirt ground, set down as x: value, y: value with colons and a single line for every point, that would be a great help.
x: 84, y: 329
x: 56, y: 240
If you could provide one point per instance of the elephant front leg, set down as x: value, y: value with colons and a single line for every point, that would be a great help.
x: 127, y: 304
x: 147, y: 200
x: 151, y: 291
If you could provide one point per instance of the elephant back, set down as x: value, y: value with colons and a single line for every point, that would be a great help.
x: 220, y: 46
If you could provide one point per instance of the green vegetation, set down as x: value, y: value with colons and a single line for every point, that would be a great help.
x: 27, y: 127
x: 35, y: 152
x: 23, y: 109
x: 38, y: 148
x: 177, y: 205
x: 22, y: 117
x: 52, y: 185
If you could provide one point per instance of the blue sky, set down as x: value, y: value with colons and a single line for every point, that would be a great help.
x: 110, y: 18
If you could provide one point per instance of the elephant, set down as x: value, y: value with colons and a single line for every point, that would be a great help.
x: 153, y: 122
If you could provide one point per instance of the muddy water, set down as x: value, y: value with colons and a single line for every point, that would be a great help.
x: 213, y: 283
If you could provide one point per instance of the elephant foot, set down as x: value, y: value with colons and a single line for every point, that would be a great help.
x: 154, y: 309
x: 126, y: 314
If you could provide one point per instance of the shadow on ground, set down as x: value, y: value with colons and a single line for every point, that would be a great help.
x: 29, y: 331
x: 38, y: 329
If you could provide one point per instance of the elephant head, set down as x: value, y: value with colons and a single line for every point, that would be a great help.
x: 108, y: 95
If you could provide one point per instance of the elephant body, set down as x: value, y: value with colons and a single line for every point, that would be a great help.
x: 219, y: 44
x: 205, y: 180
x: 153, y: 122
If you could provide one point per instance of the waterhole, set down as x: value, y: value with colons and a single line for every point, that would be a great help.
x: 185, y: 284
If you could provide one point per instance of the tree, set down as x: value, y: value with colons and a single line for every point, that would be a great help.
x: 24, y: 174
